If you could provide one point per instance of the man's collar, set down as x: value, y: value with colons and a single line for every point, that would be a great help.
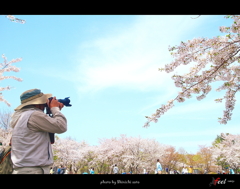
x: 31, y: 107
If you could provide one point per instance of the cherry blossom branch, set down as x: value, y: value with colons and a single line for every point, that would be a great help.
x: 219, y: 51
x: 7, y: 67
x: 17, y: 20
x: 196, y: 17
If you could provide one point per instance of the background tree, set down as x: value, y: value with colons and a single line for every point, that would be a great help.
x: 68, y: 152
x: 219, y: 160
x: 182, y: 158
x: 205, y: 154
x: 170, y: 158
x: 129, y: 153
x: 135, y: 154
x: 218, y: 139
x: 5, y: 117
x: 5, y: 129
x: 190, y: 159
x: 198, y: 162
x: 5, y: 136
x: 218, y: 60
x: 227, y: 152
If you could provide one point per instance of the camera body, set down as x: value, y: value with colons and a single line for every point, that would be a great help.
x: 64, y: 101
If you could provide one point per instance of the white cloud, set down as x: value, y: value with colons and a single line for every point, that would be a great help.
x: 206, y: 132
x: 191, y: 109
x: 194, y: 107
x: 131, y: 58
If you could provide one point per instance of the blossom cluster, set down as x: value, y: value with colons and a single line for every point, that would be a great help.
x: 5, y: 136
x: 126, y: 152
x: 228, y: 150
x: 8, y: 67
x: 13, y: 19
x: 216, y: 59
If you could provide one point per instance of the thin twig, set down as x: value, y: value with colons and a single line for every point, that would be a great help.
x: 196, y: 17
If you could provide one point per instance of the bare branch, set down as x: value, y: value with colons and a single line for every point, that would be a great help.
x: 196, y: 17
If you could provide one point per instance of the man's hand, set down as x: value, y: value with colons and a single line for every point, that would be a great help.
x: 55, y: 103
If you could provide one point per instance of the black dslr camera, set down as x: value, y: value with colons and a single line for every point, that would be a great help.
x: 65, y: 102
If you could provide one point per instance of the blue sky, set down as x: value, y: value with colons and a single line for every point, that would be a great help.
x: 108, y: 66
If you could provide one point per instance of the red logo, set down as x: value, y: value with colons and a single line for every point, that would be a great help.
x: 219, y: 181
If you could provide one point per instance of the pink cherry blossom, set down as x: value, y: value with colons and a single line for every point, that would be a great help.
x: 7, y: 67
x: 221, y: 54
x: 228, y: 150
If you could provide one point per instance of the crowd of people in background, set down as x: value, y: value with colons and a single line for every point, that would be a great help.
x: 159, y: 170
x: 59, y: 170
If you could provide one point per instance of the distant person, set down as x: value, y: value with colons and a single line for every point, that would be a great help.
x: 190, y: 170
x: 115, y: 169
x: 51, y: 171
x: 63, y: 169
x: 59, y: 169
x: 166, y: 170
x: 55, y: 170
x: 92, y: 171
x: 144, y: 171
x: 184, y: 170
x: 231, y: 171
x: 66, y: 171
x: 159, y: 167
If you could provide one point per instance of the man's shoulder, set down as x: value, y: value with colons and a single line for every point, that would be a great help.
x: 29, y: 109
x: 24, y: 110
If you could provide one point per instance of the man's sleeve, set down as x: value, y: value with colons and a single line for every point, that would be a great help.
x: 39, y: 121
